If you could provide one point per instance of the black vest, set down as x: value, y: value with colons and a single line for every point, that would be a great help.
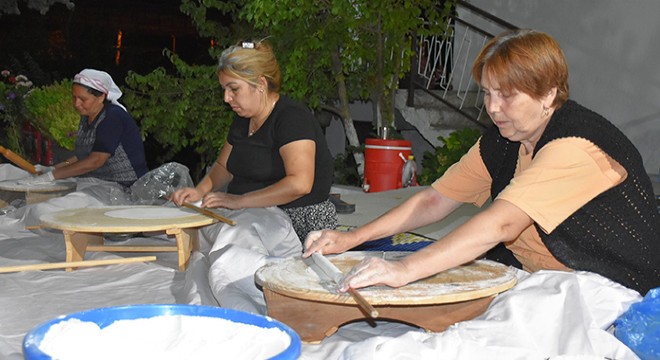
x: 617, y: 234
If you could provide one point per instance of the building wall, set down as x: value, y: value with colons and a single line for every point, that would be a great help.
x: 613, y: 52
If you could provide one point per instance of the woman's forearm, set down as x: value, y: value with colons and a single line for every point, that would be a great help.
x: 501, y: 222
x: 425, y: 207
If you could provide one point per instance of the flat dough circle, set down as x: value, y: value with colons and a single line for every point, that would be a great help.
x: 53, y: 186
x: 151, y: 213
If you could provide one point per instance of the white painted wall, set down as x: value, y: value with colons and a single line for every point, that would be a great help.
x: 613, y: 53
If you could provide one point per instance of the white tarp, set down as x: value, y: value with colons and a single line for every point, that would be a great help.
x: 547, y: 315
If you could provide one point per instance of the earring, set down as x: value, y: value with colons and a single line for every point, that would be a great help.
x: 546, y: 111
x: 261, y: 90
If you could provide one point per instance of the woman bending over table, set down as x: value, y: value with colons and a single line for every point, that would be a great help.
x: 569, y: 190
x: 274, y: 173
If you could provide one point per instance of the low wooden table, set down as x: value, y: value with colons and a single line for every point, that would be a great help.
x: 11, y: 190
x: 84, y: 228
x: 295, y: 295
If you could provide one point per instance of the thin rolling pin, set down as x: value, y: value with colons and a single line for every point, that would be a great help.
x: 75, y: 264
x: 363, y: 303
x: 16, y: 159
x: 209, y: 213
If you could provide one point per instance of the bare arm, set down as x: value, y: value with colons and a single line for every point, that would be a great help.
x: 501, y: 222
x: 81, y: 167
x: 217, y: 179
x: 423, y: 208
x: 299, y: 161
x: 66, y: 162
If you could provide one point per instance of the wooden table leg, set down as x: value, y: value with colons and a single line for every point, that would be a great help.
x: 76, y: 244
x: 314, y: 320
x: 187, y: 240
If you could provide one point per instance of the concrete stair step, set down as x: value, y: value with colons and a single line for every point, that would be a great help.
x: 433, y: 118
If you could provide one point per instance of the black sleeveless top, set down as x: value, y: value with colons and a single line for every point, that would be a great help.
x: 616, y: 234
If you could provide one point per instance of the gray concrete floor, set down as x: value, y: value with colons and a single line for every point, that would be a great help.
x: 369, y: 206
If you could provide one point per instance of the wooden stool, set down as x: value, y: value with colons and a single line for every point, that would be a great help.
x: 84, y: 228
x: 295, y: 296
x: 11, y: 190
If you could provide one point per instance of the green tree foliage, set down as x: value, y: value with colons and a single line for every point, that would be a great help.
x: 335, y: 52
x: 364, y: 44
x: 181, y: 111
x: 332, y: 52
x: 434, y: 164
x: 13, y: 89
x: 52, y: 112
x: 11, y: 6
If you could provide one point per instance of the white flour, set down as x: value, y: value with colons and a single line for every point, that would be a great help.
x: 163, y: 337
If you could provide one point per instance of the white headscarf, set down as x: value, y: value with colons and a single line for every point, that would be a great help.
x: 101, y: 81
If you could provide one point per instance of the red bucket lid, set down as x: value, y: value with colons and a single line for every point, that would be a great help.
x: 387, y: 142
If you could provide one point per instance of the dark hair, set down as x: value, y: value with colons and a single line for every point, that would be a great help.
x: 90, y: 90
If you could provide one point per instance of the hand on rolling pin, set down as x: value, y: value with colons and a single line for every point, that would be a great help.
x: 209, y: 200
x: 374, y: 271
x: 222, y: 200
x: 40, y: 179
x: 43, y: 169
x: 329, y: 242
x: 186, y: 195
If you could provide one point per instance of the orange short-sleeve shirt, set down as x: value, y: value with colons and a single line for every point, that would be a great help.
x: 563, y: 176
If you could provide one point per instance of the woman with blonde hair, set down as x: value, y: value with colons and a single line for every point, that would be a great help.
x: 274, y: 172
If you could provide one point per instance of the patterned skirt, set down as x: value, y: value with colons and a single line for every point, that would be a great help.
x: 312, y: 217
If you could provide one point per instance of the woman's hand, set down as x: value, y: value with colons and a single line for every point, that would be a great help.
x: 189, y: 195
x: 222, y: 200
x: 374, y: 271
x: 328, y: 242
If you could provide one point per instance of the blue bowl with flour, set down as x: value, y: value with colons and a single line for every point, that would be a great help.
x: 106, y: 316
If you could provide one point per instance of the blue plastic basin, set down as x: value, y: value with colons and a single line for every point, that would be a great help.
x: 106, y: 316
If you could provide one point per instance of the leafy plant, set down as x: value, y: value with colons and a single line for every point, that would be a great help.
x: 358, y: 51
x: 12, y: 112
x: 434, y: 164
x: 181, y: 111
x: 52, y: 112
x: 11, y: 6
x: 335, y: 52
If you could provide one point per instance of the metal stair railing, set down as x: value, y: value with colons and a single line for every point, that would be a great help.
x: 442, y: 66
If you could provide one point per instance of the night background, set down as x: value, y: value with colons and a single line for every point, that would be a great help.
x: 62, y: 42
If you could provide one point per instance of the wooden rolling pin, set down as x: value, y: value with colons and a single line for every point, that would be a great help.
x: 75, y: 264
x: 16, y: 159
x: 209, y: 213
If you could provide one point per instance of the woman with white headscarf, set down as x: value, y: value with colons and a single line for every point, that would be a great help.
x: 108, y: 144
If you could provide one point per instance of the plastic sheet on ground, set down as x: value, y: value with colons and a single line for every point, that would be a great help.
x: 548, y: 315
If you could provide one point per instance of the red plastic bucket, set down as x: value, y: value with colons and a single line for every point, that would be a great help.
x: 384, y: 161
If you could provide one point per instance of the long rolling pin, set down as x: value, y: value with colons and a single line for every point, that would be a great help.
x: 16, y: 159
x: 209, y: 213
x: 75, y: 264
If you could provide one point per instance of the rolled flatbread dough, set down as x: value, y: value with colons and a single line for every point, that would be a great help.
x: 150, y: 213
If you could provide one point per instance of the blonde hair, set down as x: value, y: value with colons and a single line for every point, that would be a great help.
x: 525, y: 60
x: 248, y: 61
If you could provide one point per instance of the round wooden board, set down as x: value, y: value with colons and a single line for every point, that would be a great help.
x: 480, y: 278
x: 97, y: 219
x: 55, y: 186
